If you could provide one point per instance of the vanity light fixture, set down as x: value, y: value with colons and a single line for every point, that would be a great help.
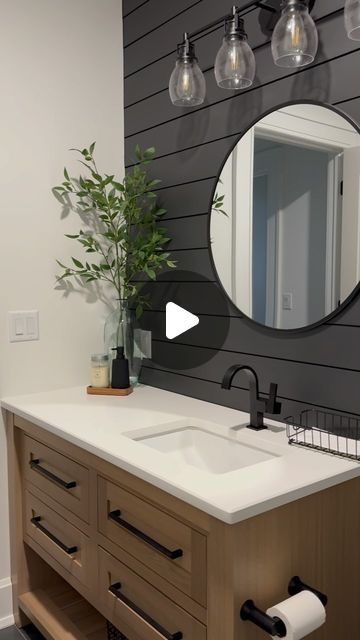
x: 352, y: 19
x: 235, y: 62
x: 294, y: 44
x: 295, y: 39
x: 187, y: 86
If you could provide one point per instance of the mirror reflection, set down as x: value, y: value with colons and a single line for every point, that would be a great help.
x: 284, y: 226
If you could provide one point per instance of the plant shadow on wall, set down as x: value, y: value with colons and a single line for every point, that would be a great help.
x: 122, y: 237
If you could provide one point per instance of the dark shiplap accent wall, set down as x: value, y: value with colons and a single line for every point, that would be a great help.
x: 315, y: 368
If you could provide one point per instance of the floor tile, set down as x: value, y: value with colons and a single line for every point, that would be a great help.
x: 12, y: 633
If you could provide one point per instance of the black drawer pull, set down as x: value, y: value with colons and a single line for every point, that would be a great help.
x: 35, y: 464
x: 69, y: 550
x: 115, y: 590
x: 115, y: 516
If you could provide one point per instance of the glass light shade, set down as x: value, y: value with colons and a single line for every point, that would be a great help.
x: 235, y: 63
x: 187, y: 86
x: 352, y: 19
x: 295, y: 38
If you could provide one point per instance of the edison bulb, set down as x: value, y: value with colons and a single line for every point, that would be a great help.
x: 235, y: 63
x: 187, y: 86
x: 295, y: 38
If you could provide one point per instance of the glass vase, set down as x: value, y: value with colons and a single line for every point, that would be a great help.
x: 119, y: 331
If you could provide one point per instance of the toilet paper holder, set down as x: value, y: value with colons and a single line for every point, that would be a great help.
x: 273, y: 625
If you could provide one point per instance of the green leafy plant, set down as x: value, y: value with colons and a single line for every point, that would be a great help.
x: 121, y: 222
x: 218, y: 203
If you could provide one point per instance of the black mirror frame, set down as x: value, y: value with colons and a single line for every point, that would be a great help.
x: 355, y: 291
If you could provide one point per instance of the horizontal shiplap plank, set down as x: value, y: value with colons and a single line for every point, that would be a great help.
x: 187, y: 233
x: 152, y: 17
x: 351, y: 108
x: 332, y: 346
x: 235, y: 116
x: 187, y: 199
x: 187, y: 166
x: 212, y: 392
x: 132, y: 5
x: 317, y: 79
x: 350, y: 316
x: 314, y: 384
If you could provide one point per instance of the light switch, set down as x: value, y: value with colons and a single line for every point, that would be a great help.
x: 287, y: 301
x: 23, y: 326
x: 19, y: 326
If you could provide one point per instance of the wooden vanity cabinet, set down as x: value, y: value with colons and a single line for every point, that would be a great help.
x: 91, y: 543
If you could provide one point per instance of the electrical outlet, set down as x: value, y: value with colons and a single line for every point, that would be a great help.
x: 23, y: 326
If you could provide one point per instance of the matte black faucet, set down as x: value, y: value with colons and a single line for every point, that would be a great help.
x: 258, y: 406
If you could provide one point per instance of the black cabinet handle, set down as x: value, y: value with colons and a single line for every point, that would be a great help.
x: 115, y: 590
x: 37, y: 522
x: 35, y: 464
x: 115, y: 516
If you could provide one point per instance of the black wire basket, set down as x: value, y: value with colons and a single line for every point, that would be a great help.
x: 113, y: 633
x: 327, y: 432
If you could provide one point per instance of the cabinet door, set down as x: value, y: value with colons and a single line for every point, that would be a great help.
x: 163, y: 543
x: 138, y: 610
x: 58, y: 538
x: 64, y: 480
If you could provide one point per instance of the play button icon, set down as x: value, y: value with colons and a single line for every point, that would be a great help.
x: 178, y: 320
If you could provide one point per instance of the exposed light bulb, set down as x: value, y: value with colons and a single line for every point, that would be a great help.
x: 187, y: 86
x: 235, y: 62
x: 352, y: 19
x: 295, y: 38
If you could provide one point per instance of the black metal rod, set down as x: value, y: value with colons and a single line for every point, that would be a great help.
x: 115, y: 516
x: 222, y: 19
x: 35, y: 465
x: 36, y: 521
x: 115, y: 590
x: 240, y: 11
x: 296, y: 585
x: 274, y: 626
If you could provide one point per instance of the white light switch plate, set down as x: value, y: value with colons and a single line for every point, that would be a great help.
x: 23, y: 326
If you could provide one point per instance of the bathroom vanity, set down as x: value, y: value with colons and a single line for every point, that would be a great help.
x: 109, y: 524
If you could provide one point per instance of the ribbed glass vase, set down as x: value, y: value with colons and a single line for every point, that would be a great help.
x: 119, y: 332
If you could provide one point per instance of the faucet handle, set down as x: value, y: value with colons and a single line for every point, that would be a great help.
x: 272, y: 405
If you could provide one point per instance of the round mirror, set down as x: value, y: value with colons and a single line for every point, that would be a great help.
x: 284, y: 227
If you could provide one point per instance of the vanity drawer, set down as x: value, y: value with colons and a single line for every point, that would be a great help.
x: 169, y: 547
x: 64, y: 480
x: 58, y: 538
x: 138, y: 610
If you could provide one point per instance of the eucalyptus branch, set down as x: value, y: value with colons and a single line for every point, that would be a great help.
x: 122, y: 225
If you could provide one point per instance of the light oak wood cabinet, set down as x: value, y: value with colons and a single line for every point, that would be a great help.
x: 91, y: 543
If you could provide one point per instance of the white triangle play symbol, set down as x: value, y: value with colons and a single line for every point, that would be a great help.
x: 178, y: 320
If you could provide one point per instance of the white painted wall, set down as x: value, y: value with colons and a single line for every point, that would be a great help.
x: 61, y: 86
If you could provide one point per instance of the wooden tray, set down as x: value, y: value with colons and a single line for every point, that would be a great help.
x: 108, y: 391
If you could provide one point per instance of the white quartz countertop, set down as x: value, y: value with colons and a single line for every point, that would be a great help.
x: 98, y: 424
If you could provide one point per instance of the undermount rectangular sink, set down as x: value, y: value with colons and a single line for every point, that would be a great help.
x: 204, y: 449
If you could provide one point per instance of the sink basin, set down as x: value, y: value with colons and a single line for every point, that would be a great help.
x: 205, y: 450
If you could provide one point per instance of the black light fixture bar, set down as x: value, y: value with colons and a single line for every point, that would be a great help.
x: 240, y: 11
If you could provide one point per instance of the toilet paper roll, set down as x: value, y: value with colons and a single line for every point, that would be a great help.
x: 301, y: 614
